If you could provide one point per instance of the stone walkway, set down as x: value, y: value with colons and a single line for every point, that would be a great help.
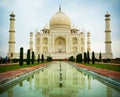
x: 108, y: 73
x: 5, y: 76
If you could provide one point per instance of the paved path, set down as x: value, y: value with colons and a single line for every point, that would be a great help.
x: 108, y: 73
x: 5, y: 76
x: 108, y: 63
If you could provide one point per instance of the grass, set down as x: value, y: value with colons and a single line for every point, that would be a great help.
x: 105, y: 66
x: 14, y: 67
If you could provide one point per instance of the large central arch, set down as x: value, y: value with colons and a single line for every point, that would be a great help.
x: 60, y: 45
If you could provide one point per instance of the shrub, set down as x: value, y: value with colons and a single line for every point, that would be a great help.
x: 15, y: 60
x: 79, y: 58
x: 1, y: 60
x: 71, y: 58
x: 107, y: 60
x: 49, y: 59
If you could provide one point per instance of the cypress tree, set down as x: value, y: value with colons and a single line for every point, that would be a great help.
x: 80, y: 58
x: 21, y: 57
x: 85, y: 59
x: 28, y: 57
x: 71, y: 58
x: 33, y: 57
x: 38, y: 58
x: 42, y: 58
x: 88, y: 57
x: 100, y: 57
x: 93, y: 57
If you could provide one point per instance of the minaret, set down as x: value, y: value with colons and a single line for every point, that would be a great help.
x: 107, y: 36
x: 31, y: 41
x: 88, y: 42
x: 11, y: 50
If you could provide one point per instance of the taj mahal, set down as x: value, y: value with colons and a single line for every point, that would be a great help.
x: 60, y: 39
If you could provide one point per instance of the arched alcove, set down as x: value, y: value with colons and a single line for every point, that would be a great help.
x: 75, y: 50
x: 60, y: 45
x: 45, y: 40
x: 75, y: 40
x: 82, y: 41
x: 38, y: 41
x: 45, y: 49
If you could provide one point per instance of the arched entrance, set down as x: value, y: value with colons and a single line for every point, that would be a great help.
x: 60, y: 45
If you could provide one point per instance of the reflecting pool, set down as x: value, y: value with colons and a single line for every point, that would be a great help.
x: 60, y: 80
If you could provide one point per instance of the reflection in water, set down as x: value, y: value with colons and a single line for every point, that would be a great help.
x: 109, y: 91
x: 89, y: 85
x: 21, y: 84
x: 10, y: 92
x: 45, y: 83
x: 30, y: 82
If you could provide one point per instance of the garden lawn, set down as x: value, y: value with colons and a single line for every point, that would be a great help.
x: 14, y: 67
x: 105, y: 66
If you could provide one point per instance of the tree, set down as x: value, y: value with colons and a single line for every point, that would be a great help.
x: 28, y: 57
x: 85, y: 57
x: 49, y: 59
x: 21, y: 57
x: 42, y: 58
x: 88, y: 57
x: 38, y: 58
x: 100, y: 57
x: 1, y: 60
x: 93, y: 57
x: 71, y: 58
x: 79, y: 58
x: 33, y: 57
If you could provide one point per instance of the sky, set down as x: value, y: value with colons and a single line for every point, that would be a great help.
x: 87, y: 15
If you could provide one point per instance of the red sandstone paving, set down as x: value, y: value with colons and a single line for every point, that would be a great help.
x: 108, y: 73
x: 5, y: 76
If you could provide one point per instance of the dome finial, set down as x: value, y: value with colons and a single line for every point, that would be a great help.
x: 107, y: 14
x: 59, y: 8
x: 12, y: 14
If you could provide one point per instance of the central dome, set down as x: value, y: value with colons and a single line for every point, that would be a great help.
x: 60, y: 20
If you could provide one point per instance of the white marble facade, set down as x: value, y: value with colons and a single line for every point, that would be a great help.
x: 59, y: 39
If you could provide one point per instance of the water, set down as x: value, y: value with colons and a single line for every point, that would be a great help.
x: 60, y: 81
